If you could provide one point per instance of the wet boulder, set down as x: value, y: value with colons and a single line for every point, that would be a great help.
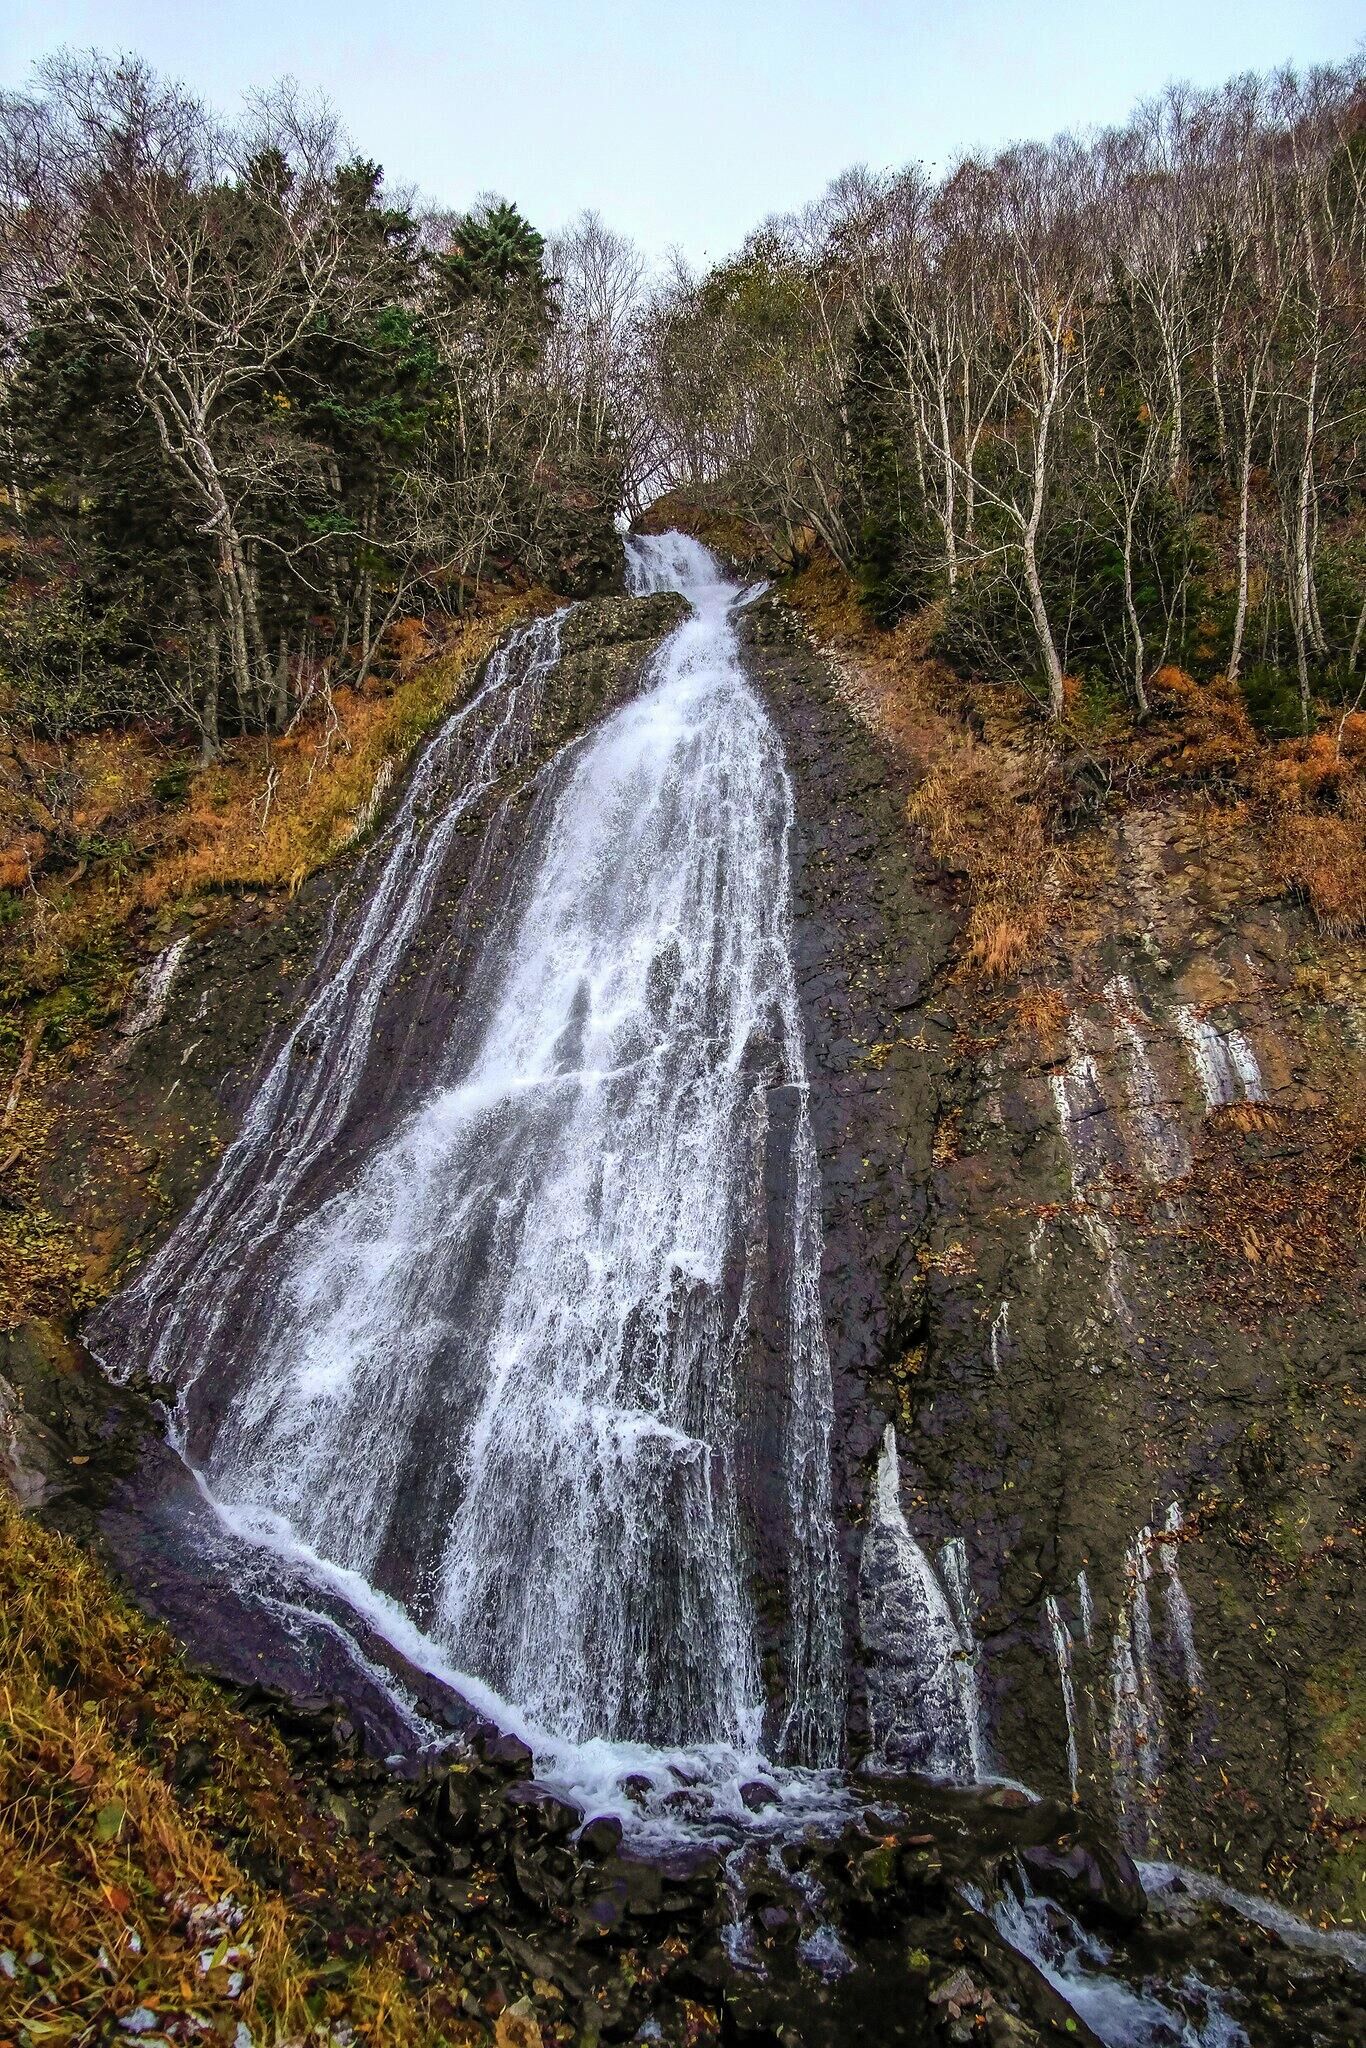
x: 1096, y: 1880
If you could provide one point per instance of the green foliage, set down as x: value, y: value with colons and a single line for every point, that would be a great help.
x: 172, y: 786
x: 1273, y: 701
x: 342, y: 425
x: 62, y: 661
x: 897, y: 563
x: 495, y: 251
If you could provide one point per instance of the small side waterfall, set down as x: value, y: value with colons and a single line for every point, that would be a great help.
x: 1136, y: 1704
x: 922, y: 1678
x: 1062, y: 1651
x: 497, y: 1362
x: 1137, y: 1718
x: 1179, y: 1616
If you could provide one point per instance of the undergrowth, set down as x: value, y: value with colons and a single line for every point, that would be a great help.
x: 162, y: 1876
x: 1000, y: 798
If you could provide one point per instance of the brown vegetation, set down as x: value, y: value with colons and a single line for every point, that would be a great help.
x: 983, y: 824
x: 265, y: 815
x: 121, y: 1896
x: 995, y: 795
x: 982, y: 806
x: 1315, y: 790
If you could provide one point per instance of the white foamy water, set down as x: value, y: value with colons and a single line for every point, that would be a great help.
x: 1153, y: 1131
x: 922, y: 1679
x: 1137, y: 1719
x: 497, y: 1400
x: 1000, y: 1335
x: 1179, y: 1616
x: 1080, y: 1103
x: 1078, y: 1965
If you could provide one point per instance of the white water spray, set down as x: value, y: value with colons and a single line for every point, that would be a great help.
x: 504, y: 1369
x: 922, y: 1678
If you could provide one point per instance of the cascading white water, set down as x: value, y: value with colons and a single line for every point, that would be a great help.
x: 171, y: 1317
x: 1062, y: 1652
x: 923, y: 1706
x: 505, y: 1371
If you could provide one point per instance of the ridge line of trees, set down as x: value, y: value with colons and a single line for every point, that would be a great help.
x: 1102, y: 398
x: 1099, y: 402
x: 255, y: 408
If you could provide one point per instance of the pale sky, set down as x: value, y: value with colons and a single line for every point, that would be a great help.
x: 686, y: 121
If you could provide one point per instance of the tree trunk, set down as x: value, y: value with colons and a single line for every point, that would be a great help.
x: 1235, y: 659
x: 281, y: 709
x: 1140, y: 687
x: 210, y: 745
x: 1029, y: 543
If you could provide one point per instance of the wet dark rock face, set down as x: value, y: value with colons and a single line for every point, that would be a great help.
x: 872, y: 943
x: 1049, y: 1262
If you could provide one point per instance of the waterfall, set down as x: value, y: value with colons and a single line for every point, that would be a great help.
x: 1062, y: 1651
x: 496, y: 1358
x: 922, y: 1678
x: 171, y: 1318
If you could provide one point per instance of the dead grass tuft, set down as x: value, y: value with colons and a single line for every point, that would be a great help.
x: 117, y: 1896
x: 1043, y: 1012
x: 984, y: 825
x: 1315, y: 793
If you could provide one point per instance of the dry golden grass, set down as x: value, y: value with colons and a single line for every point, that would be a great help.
x: 990, y: 819
x: 1315, y: 790
x: 1043, y: 1012
x: 271, y: 813
x: 265, y: 816
x: 117, y: 1898
x: 983, y: 825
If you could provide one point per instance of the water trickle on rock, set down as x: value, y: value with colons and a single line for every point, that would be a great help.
x: 1224, y: 1060
x: 1062, y: 1651
x: 923, y: 1702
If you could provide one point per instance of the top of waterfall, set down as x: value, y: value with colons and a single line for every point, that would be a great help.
x: 675, y: 561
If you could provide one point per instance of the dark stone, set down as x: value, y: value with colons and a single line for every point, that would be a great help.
x: 550, y: 1814
x: 601, y: 1838
x: 506, y: 1752
x: 190, y: 1765
x: 1095, y: 1879
x: 758, y: 1794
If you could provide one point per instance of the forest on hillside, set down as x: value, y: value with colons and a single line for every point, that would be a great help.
x: 1093, y: 410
